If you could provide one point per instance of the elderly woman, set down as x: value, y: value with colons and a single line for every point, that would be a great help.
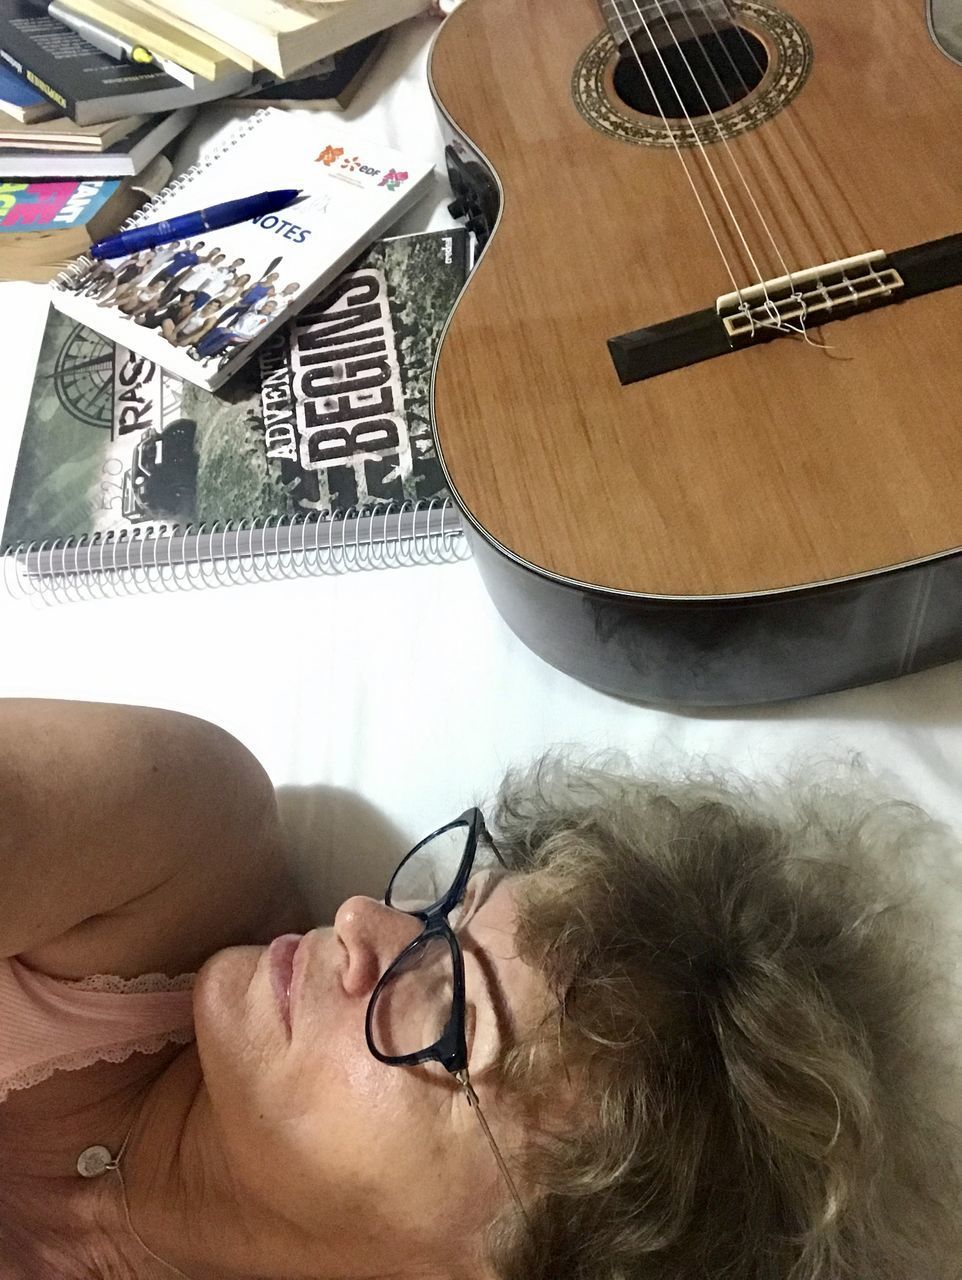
x: 643, y: 1031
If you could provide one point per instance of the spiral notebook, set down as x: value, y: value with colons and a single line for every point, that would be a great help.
x: 128, y: 478
x: 238, y: 285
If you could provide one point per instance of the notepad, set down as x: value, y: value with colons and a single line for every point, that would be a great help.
x: 203, y: 306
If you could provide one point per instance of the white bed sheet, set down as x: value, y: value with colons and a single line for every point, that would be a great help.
x: 384, y: 702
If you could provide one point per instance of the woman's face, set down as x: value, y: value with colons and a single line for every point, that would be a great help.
x: 389, y: 1162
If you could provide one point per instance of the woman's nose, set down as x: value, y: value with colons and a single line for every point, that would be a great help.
x: 373, y: 936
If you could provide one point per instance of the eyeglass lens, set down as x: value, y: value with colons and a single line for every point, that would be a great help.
x: 414, y: 1005
x: 426, y: 875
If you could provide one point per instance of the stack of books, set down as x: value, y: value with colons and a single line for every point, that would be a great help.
x: 93, y: 91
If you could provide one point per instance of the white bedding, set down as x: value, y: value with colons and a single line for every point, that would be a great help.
x: 382, y: 703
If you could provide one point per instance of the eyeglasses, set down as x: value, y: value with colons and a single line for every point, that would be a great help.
x: 417, y: 1011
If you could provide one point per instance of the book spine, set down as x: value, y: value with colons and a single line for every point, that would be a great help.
x: 235, y: 29
x: 116, y: 45
x: 17, y: 55
x: 97, y: 24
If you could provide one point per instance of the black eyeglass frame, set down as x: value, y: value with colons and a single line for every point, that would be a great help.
x: 450, y: 1049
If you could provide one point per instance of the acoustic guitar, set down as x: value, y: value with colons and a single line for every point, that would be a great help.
x: 700, y: 403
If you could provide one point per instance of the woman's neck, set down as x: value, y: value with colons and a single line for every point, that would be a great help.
x: 184, y: 1203
x: 188, y: 1208
x: 175, y: 1194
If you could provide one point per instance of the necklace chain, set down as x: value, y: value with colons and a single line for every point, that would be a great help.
x: 97, y: 1160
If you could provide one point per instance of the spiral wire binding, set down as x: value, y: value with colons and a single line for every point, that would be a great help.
x: 378, y: 535
x: 66, y: 279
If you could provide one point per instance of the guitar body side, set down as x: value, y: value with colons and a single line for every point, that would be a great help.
x: 731, y: 653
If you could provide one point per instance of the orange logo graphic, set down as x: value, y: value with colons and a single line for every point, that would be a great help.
x: 330, y: 154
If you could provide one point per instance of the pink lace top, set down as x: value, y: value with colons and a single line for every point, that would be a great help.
x: 50, y: 1024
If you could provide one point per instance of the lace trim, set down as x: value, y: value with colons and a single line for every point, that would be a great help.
x: 145, y: 984
x: 30, y: 1076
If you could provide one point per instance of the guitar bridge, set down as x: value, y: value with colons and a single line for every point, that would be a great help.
x: 784, y: 306
x: 792, y: 300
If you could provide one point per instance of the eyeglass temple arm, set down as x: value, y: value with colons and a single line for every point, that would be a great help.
x: 464, y: 1080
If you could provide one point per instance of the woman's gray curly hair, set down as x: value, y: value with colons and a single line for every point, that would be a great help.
x: 743, y: 1043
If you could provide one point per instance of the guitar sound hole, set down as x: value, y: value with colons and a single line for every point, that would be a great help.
x: 718, y: 69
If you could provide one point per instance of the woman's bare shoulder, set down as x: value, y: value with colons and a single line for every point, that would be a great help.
x: 247, y: 897
x: 177, y: 927
x: 132, y: 841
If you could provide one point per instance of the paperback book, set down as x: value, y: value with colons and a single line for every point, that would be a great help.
x: 126, y: 156
x: 86, y: 84
x: 22, y: 100
x: 44, y: 224
x: 286, y: 35
x: 333, y: 415
x: 146, y: 36
x: 130, y: 49
x: 66, y: 134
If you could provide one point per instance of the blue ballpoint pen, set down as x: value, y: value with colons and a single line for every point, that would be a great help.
x: 187, y: 225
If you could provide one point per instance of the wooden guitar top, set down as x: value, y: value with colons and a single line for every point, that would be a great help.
x: 781, y: 466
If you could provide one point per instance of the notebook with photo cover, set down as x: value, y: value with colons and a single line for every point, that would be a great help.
x: 242, y: 282
x: 128, y: 477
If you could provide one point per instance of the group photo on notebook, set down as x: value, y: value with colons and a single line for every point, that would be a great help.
x: 202, y: 304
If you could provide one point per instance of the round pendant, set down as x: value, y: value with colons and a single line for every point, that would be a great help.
x: 95, y: 1161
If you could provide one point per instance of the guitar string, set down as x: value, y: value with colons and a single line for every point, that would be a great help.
x: 649, y: 7
x: 774, y: 321
x: 834, y: 234
x: 806, y: 140
x: 786, y: 270
x: 615, y: 5
x: 792, y: 121
x: 801, y: 225
x: 822, y: 215
x: 774, y: 318
x: 797, y: 327
x: 815, y: 227
x: 699, y: 145
x: 757, y: 141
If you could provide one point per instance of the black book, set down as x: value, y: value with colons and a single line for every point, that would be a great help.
x: 333, y: 82
x: 84, y: 83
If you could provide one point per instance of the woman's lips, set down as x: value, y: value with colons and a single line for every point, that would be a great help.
x: 280, y: 956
